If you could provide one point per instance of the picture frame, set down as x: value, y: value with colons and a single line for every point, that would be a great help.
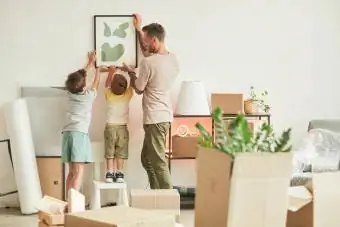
x: 115, y: 40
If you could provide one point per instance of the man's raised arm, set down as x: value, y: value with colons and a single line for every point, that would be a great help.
x: 137, y: 22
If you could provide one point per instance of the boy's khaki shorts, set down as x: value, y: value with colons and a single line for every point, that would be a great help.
x: 116, y: 141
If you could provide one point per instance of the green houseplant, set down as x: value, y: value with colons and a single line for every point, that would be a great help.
x: 240, y: 138
x: 255, y: 102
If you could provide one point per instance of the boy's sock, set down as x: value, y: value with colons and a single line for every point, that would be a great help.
x: 119, y: 177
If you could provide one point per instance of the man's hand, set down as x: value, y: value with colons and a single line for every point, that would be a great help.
x: 137, y: 22
x: 127, y: 68
x: 112, y: 69
x: 102, y: 68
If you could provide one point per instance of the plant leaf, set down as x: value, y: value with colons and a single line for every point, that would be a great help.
x: 119, y: 33
x: 107, y: 30
x: 124, y: 26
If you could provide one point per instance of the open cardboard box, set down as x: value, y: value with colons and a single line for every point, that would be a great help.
x: 51, y: 211
x: 247, y: 191
x: 316, y: 204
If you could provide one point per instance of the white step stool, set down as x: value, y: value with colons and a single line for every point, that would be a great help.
x: 101, y: 185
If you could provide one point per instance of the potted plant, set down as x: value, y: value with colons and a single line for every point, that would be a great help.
x: 256, y: 103
x: 242, y: 174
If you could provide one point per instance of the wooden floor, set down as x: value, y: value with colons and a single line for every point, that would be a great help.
x: 13, y: 218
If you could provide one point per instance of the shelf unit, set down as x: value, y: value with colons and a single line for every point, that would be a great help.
x: 197, y: 117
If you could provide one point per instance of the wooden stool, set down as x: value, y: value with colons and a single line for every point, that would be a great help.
x: 101, y: 185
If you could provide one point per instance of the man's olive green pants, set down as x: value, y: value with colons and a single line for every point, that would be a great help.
x: 153, y: 155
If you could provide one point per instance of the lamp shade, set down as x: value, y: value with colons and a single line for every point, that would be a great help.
x: 192, y: 99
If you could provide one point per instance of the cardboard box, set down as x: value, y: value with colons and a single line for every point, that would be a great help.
x: 184, y: 147
x: 247, y: 191
x: 118, y: 216
x: 316, y: 204
x: 166, y: 201
x: 229, y: 103
x: 51, y: 211
x: 51, y: 219
x: 42, y: 224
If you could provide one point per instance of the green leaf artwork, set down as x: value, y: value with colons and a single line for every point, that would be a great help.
x: 119, y: 32
x: 112, y: 54
x: 107, y: 30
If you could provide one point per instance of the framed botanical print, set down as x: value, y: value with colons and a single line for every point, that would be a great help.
x: 115, y: 40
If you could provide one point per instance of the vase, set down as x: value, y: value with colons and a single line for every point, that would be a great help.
x: 251, y: 106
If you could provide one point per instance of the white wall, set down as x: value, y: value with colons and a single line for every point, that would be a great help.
x: 290, y: 47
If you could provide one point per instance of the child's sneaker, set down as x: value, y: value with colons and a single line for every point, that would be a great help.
x: 120, y: 177
x: 110, y: 177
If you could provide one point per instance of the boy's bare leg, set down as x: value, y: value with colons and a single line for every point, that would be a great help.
x: 74, y: 178
x: 77, y: 171
x: 120, y: 170
x: 111, y: 168
x: 69, y: 178
x: 110, y: 165
x: 120, y: 164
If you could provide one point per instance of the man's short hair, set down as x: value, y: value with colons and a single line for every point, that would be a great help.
x: 118, y: 84
x: 155, y: 30
x: 76, y: 81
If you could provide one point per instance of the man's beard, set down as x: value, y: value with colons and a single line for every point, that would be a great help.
x: 154, y: 50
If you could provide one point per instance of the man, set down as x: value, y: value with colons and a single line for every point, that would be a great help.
x: 157, y: 72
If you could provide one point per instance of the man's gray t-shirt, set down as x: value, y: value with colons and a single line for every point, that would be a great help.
x: 157, y: 73
x: 79, y: 111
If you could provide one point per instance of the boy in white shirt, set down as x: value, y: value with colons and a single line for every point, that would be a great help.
x: 117, y: 95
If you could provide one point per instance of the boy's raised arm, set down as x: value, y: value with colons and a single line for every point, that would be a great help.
x: 109, y: 78
x: 91, y: 57
x: 95, y: 83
